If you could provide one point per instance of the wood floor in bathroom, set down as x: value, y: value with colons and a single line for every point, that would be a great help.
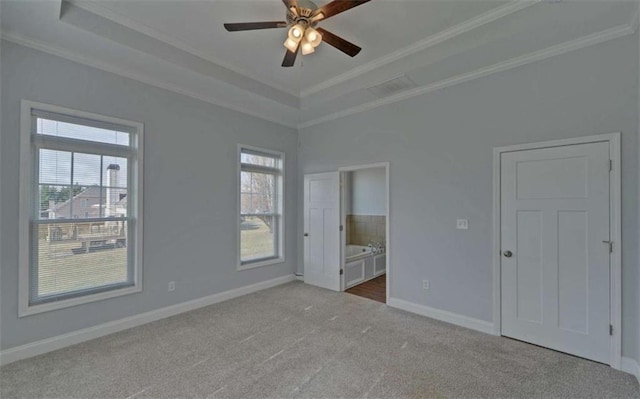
x: 375, y: 289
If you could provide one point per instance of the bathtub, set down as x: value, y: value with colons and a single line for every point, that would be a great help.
x: 362, y: 264
x: 356, y: 251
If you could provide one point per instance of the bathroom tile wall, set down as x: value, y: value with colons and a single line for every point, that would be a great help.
x: 363, y: 228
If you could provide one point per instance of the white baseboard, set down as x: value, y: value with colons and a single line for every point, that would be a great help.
x: 627, y: 364
x: 630, y: 366
x: 58, y: 342
x: 442, y: 315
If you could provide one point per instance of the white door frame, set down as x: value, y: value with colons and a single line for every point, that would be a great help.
x: 384, y: 165
x: 616, y: 232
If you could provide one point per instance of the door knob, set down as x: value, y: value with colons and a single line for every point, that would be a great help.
x: 306, y: 234
x: 507, y: 254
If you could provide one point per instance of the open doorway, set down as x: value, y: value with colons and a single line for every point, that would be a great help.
x: 364, y: 214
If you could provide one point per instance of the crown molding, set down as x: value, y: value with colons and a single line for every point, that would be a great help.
x: 589, y: 40
x: 95, y: 8
x: 464, y: 27
x: 147, y: 43
x: 72, y: 56
x: 552, y: 51
x: 430, y: 41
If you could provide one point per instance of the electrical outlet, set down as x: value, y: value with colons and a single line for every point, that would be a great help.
x: 462, y: 224
x: 172, y: 285
x: 425, y: 285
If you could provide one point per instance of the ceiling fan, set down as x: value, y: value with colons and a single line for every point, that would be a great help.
x: 302, y: 20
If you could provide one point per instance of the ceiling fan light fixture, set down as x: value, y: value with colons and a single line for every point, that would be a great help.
x: 296, y: 32
x: 313, y: 36
x: 307, y: 47
x: 303, y: 36
x: 291, y: 45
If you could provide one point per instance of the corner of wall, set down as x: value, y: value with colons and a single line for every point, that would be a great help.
x: 637, y: 35
x: 631, y: 366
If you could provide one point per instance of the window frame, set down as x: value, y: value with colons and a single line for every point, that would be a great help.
x: 279, y: 209
x: 28, y: 184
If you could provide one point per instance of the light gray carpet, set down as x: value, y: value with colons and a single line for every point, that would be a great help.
x: 300, y: 341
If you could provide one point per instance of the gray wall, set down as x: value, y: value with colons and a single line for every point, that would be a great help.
x: 368, y: 192
x: 450, y: 133
x: 440, y: 151
x: 190, y: 166
x: 347, y: 182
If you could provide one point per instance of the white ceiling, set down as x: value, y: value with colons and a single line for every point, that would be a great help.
x: 379, y: 27
x: 182, y: 45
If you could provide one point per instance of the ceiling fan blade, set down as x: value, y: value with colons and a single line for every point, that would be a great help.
x: 336, y: 7
x: 290, y: 3
x: 234, y: 27
x: 339, y: 43
x: 290, y: 58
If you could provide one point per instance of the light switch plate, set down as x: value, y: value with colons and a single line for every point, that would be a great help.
x: 462, y: 224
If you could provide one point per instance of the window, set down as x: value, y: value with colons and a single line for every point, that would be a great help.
x: 81, y: 226
x: 260, y: 197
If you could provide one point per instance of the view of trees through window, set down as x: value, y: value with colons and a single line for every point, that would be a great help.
x: 258, y: 196
x: 53, y: 195
x: 258, y: 206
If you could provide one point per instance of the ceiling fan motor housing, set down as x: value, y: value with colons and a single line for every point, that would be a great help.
x: 304, y: 13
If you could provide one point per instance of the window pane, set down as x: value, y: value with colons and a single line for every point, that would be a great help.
x: 82, y: 254
x: 89, y: 202
x: 260, y: 228
x: 55, y: 167
x: 86, y: 203
x: 86, y: 169
x: 79, y: 256
x: 114, y: 172
x: 75, y: 131
x: 261, y: 160
x: 116, y: 202
x: 90, y: 199
x: 54, y: 202
x: 257, y: 237
x: 257, y: 193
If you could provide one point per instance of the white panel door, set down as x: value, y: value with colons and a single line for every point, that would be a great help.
x: 322, y: 230
x: 555, y: 267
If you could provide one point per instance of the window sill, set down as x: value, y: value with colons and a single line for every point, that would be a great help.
x: 26, y: 310
x: 256, y: 264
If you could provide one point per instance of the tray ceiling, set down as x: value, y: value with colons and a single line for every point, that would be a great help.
x: 183, y: 45
x: 379, y: 27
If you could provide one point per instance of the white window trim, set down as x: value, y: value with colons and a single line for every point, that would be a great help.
x: 26, y: 184
x: 281, y: 208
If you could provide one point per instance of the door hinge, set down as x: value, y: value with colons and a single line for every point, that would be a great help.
x: 341, y: 272
x: 610, y: 165
x: 341, y: 227
x: 610, y: 329
x: 610, y: 244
